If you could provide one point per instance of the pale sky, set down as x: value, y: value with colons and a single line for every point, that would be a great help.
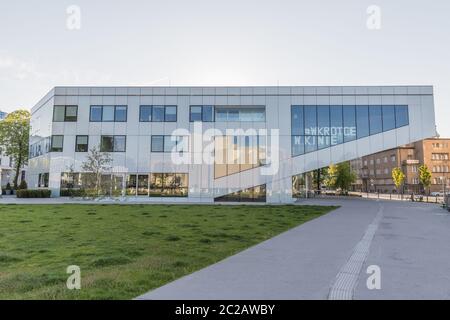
x: 232, y: 42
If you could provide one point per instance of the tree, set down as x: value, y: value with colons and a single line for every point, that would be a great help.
x: 97, y: 163
x: 398, y: 177
x: 425, y: 177
x: 319, y: 177
x: 330, y: 179
x: 345, y: 176
x: 14, y: 137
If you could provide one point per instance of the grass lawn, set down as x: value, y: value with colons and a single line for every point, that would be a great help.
x: 126, y: 250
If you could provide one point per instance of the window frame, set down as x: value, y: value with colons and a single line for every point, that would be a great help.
x: 76, y: 143
x: 152, y: 150
x: 65, y: 107
x: 52, y: 148
x: 114, y: 137
x: 102, y: 107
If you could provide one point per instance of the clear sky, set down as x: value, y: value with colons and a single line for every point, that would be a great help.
x: 232, y: 42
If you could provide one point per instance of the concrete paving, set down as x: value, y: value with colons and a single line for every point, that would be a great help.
x: 410, y: 245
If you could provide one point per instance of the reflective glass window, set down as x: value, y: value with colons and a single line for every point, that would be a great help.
x: 297, y: 121
x: 375, y: 118
x: 310, y: 120
x: 336, y: 126
x: 388, y: 118
x: 401, y: 116
x: 362, y: 121
x: 349, y: 130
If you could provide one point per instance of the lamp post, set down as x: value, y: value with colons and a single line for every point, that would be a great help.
x: 1, y: 191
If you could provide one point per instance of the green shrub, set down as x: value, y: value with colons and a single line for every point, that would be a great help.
x: 23, y: 185
x: 40, y: 193
x: 76, y: 193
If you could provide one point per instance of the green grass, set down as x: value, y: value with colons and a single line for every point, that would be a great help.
x: 124, y: 251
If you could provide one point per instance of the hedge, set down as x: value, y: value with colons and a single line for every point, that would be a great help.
x: 76, y: 193
x: 40, y: 193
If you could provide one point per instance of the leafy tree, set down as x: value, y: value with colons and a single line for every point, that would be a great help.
x: 330, y: 179
x: 398, y: 177
x: 14, y: 137
x: 345, y: 176
x: 425, y: 177
x: 319, y: 177
x: 97, y: 163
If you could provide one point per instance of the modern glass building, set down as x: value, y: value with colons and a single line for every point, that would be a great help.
x: 215, y: 144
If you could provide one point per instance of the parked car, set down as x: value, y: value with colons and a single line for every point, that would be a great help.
x: 437, y: 194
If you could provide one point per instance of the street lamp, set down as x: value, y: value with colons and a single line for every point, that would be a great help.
x: 1, y: 191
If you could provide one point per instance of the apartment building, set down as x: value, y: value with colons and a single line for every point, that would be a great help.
x: 375, y: 171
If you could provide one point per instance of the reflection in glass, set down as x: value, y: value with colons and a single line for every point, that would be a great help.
x: 108, y: 114
x: 119, y: 143
x: 107, y: 144
x: 297, y: 121
x: 71, y: 114
x: 254, y: 194
x: 170, y: 114
x: 375, y: 119
x: 298, y: 145
x: 362, y: 121
x: 158, y: 113
x: 196, y: 113
x: 323, y: 120
x: 59, y: 113
x: 388, y: 118
x: 96, y: 114
x: 337, y: 133
x: 145, y: 114
x: 349, y: 129
x: 121, y: 114
x: 169, y: 185
x: 310, y: 120
x: 401, y: 116
x: 142, y: 185
x: 157, y: 143
x: 131, y: 185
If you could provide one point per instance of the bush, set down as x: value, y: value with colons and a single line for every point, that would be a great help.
x: 76, y: 193
x: 8, y: 186
x: 36, y: 194
x: 23, y: 185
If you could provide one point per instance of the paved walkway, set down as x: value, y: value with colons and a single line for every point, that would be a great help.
x: 408, y: 241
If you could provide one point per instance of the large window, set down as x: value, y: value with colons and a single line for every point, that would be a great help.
x: 43, y: 180
x: 158, y: 114
x: 201, y: 114
x: 65, y: 114
x: 388, y: 118
x: 362, y: 121
x: 319, y: 127
x: 375, y: 119
x: 255, y: 194
x: 240, y: 114
x: 234, y: 154
x: 170, y: 144
x: 57, y: 144
x: 108, y: 114
x: 349, y: 118
x: 169, y: 185
x: 113, y: 144
x: 82, y: 144
x: 401, y: 116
